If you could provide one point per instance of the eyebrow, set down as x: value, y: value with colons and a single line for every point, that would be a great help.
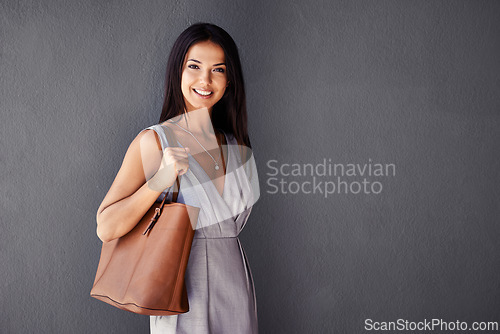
x: 199, y: 62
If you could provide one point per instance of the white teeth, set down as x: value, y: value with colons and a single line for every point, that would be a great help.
x: 202, y: 92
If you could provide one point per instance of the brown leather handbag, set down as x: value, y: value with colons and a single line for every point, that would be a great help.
x: 143, y: 271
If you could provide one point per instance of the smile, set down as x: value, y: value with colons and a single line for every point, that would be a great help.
x: 203, y: 93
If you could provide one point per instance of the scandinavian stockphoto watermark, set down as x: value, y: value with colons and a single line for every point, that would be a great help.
x: 327, y: 178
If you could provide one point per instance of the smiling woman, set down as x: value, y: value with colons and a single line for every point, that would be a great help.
x: 205, y: 108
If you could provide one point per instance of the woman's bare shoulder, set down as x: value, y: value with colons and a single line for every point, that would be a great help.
x: 147, y: 139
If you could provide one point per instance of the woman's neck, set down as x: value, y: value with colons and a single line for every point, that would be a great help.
x: 197, y: 121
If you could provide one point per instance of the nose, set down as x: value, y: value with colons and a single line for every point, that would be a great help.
x: 206, y: 77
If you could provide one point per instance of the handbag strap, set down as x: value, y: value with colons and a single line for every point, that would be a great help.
x: 177, y: 185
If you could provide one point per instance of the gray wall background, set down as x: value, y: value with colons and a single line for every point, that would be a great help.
x: 414, y: 83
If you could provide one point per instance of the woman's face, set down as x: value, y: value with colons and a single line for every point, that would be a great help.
x: 204, y: 78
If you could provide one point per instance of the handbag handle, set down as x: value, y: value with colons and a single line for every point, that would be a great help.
x: 173, y: 143
x: 177, y: 185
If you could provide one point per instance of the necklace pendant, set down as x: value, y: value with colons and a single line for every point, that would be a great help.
x: 217, y: 167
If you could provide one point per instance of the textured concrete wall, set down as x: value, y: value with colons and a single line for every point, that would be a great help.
x: 409, y: 83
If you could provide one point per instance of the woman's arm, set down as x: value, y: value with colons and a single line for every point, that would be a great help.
x: 130, y: 196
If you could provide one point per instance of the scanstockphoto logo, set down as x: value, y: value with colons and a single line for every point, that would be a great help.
x: 328, y: 178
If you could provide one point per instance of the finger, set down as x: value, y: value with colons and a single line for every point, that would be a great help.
x: 176, y: 155
x: 177, y: 149
x: 182, y: 171
x: 181, y: 164
x: 174, y: 149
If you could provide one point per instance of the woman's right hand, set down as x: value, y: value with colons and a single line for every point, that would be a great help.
x: 146, y: 171
x: 174, y: 163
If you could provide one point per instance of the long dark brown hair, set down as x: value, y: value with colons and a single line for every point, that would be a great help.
x: 230, y: 112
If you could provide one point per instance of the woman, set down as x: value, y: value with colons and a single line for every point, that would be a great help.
x: 205, y: 108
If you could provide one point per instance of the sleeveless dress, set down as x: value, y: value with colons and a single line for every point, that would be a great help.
x: 218, y: 279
